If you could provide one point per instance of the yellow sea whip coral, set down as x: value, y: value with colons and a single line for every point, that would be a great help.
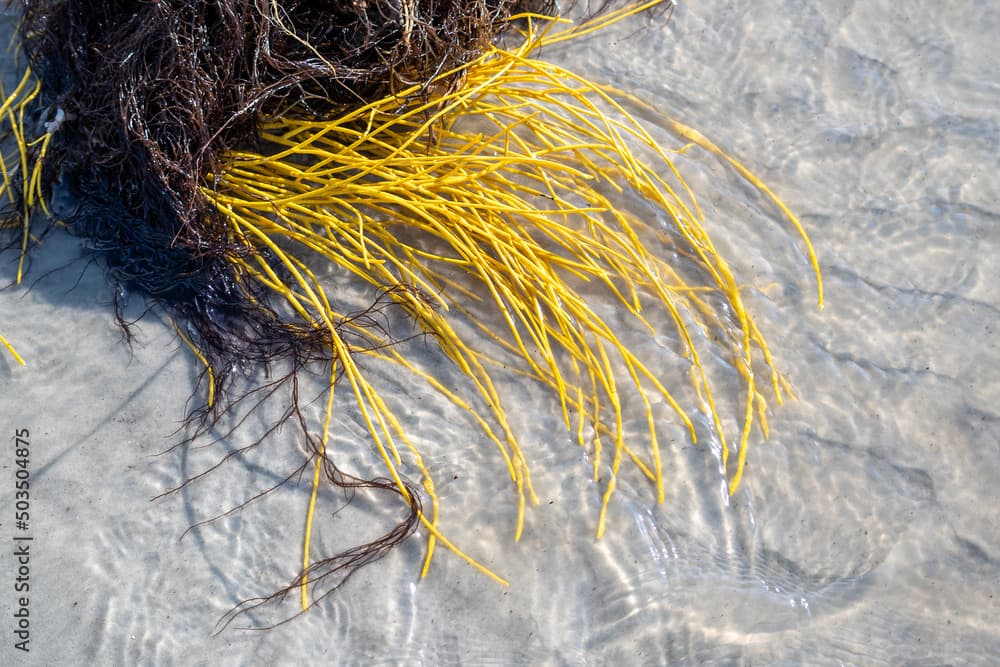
x: 492, y: 183
x: 341, y: 189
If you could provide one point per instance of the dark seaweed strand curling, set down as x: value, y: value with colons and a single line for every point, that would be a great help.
x: 153, y: 93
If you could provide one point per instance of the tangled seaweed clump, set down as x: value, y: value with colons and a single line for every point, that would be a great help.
x: 221, y: 152
x: 149, y: 96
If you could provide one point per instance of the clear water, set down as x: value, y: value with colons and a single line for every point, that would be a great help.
x: 866, y: 531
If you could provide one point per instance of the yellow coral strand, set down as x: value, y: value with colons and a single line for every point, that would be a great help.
x: 11, y: 350
x: 201, y: 357
x: 696, y: 137
x: 314, y: 491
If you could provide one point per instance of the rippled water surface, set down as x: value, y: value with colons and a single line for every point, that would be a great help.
x: 866, y: 529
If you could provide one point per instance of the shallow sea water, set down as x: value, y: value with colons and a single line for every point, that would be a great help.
x: 865, y: 531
